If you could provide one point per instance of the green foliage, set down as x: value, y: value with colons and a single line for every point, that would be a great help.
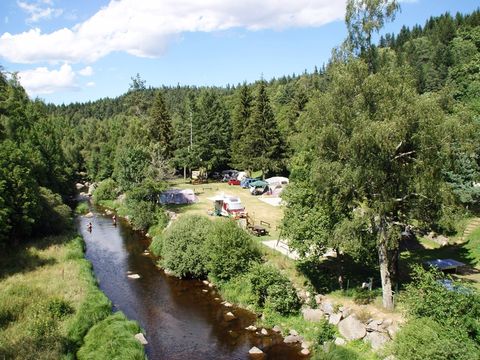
x: 458, y: 308
x: 142, y: 214
x: 363, y: 296
x: 183, y: 246
x: 326, y: 332
x: 282, y: 298
x: 231, y: 250
x: 336, y: 353
x: 131, y: 165
x: 55, y: 216
x: 112, y: 338
x: 82, y: 208
x: 262, y: 277
x: 106, y: 190
x: 424, y: 338
x: 159, y: 126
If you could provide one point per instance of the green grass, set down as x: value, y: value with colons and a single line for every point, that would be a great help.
x: 473, y: 247
x: 112, y: 338
x: 49, y: 299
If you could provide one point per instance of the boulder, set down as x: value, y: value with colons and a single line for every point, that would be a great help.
x: 229, y: 316
x: 264, y: 332
x: 256, y: 352
x: 318, y: 298
x: 251, y: 328
x: 374, y: 325
x: 227, y: 304
x: 89, y: 215
x: 340, y: 341
x: 205, y: 282
x: 334, y: 319
x: 108, y: 212
x: 306, y: 344
x: 168, y: 272
x: 79, y: 186
x: 351, y: 328
x: 92, y: 188
x: 277, y: 329
x: 293, y: 332
x: 291, y: 339
x: 327, y: 307
x: 392, y: 330
x: 133, y: 276
x: 313, y: 314
x: 204, y: 290
x: 346, y: 312
x: 141, y: 339
x: 305, y: 352
x: 376, y: 339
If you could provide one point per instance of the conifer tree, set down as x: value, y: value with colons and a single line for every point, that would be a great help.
x: 263, y: 146
x: 240, y: 117
x: 159, y: 127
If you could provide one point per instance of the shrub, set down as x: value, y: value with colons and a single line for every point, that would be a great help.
x: 106, y: 190
x: 325, y: 332
x: 156, y: 245
x: 425, y: 338
x: 55, y: 216
x: 262, y: 277
x: 336, y: 353
x: 282, y: 298
x: 82, y: 208
x: 183, y: 246
x: 59, y: 308
x: 458, y: 308
x: 363, y: 296
x: 142, y: 214
x: 231, y: 250
x: 112, y: 338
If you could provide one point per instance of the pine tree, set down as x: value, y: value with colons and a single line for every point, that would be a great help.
x: 240, y: 119
x: 263, y: 146
x: 159, y: 127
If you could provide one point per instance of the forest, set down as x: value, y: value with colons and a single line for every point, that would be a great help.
x: 383, y: 138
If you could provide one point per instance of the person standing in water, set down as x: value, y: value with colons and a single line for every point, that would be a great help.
x: 114, y: 219
x: 89, y: 227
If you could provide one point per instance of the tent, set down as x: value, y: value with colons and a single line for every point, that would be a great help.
x: 277, y: 184
x: 178, y: 196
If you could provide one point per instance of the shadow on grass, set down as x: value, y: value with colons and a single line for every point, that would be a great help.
x: 21, y: 259
x: 324, y: 275
x: 182, y: 208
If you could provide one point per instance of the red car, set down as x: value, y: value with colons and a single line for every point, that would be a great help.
x: 233, y: 182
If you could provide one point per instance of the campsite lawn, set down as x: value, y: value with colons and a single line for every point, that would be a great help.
x: 259, y: 211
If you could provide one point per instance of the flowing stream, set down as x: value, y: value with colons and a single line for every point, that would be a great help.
x: 181, y: 318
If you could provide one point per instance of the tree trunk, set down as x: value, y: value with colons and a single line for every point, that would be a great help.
x: 385, y: 266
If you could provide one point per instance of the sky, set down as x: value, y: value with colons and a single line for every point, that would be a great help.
x: 76, y: 51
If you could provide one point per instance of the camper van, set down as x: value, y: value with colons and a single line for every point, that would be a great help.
x: 230, y: 206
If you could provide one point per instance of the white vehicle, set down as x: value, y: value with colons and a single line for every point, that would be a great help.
x: 226, y: 205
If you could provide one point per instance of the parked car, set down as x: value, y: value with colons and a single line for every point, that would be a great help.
x: 245, y: 183
x: 233, y: 182
x: 258, y: 187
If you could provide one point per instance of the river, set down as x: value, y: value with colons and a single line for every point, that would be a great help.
x: 181, y: 318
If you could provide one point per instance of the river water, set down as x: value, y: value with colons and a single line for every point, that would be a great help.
x: 181, y: 318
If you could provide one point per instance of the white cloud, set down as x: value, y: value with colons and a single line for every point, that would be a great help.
x: 41, y: 80
x: 90, y: 84
x: 37, y: 10
x: 145, y: 28
x: 86, y: 71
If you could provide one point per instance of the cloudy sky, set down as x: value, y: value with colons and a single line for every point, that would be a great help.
x: 67, y: 51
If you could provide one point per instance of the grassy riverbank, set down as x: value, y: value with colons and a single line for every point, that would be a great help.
x: 49, y: 300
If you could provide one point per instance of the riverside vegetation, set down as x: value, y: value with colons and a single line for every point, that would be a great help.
x: 381, y: 138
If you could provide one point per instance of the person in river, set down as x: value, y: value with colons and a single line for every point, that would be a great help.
x: 89, y: 227
x: 114, y: 219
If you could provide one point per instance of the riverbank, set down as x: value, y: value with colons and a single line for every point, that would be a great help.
x: 49, y: 301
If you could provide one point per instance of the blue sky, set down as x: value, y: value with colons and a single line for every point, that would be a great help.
x: 68, y: 51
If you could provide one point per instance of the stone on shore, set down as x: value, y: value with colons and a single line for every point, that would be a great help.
x: 376, y: 339
x: 229, y: 316
x: 256, y: 353
x: 141, y: 338
x: 313, y: 314
x: 88, y: 215
x: 351, y: 328
x: 277, y: 329
x: 264, y: 332
x: 305, y: 352
x: 251, y: 328
x: 134, y: 276
x: 334, y: 319
x: 340, y: 341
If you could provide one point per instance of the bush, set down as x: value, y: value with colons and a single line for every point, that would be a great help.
x: 183, y: 246
x: 363, y: 296
x: 282, y: 298
x: 112, y: 338
x: 262, y: 277
x: 425, y: 338
x: 82, y: 208
x: 336, y: 353
x: 106, y: 190
x: 458, y: 308
x: 231, y: 250
x: 142, y: 214
x: 55, y: 216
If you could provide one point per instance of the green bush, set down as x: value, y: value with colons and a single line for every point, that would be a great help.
x: 106, y: 190
x: 59, y: 308
x: 55, y: 216
x: 112, y: 338
x: 458, y: 309
x: 142, y: 214
x: 325, y: 332
x: 425, y: 338
x: 82, y: 208
x: 282, y: 298
x: 335, y: 353
x: 363, y: 296
x: 262, y: 277
x: 183, y: 246
x: 231, y: 250
x: 156, y: 245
